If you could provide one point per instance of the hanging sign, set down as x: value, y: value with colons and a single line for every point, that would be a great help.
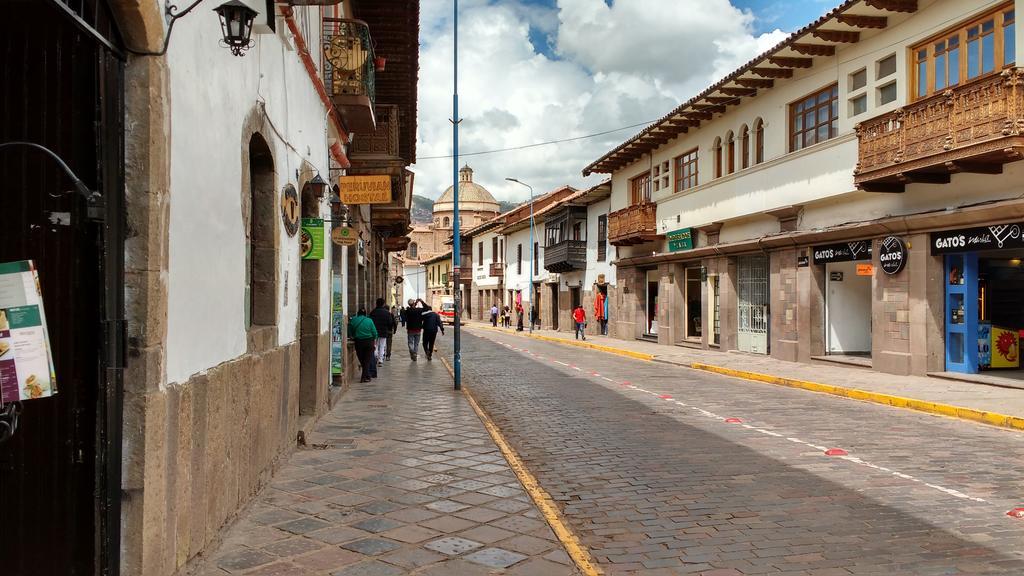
x: 892, y: 254
x: 311, y: 241
x: 679, y: 240
x: 290, y: 210
x: 344, y: 236
x: 365, y: 189
x: 26, y: 361
x: 981, y: 238
x: 843, y: 252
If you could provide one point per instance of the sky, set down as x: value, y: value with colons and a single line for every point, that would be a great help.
x: 533, y: 71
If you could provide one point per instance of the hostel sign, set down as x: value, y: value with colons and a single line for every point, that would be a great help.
x: 365, y: 189
x: 679, y: 240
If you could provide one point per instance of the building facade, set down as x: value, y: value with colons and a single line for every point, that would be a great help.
x: 476, y: 205
x: 850, y: 195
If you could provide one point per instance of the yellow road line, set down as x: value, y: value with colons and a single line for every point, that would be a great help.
x: 578, y: 343
x: 579, y: 554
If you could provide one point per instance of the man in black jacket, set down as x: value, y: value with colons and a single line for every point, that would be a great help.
x: 385, y: 324
x: 431, y: 323
x: 414, y: 324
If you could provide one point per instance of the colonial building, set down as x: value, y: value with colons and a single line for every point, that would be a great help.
x: 850, y: 195
x: 476, y: 205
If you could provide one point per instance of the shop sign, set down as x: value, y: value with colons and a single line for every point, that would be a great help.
x: 337, y: 326
x: 679, y: 240
x: 311, y: 240
x: 290, y: 210
x: 344, y: 236
x: 865, y: 269
x: 981, y: 238
x: 26, y: 360
x: 843, y: 252
x: 365, y: 189
x: 892, y: 254
x: 803, y: 261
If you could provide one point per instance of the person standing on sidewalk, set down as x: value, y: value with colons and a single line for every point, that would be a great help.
x: 432, y: 322
x: 494, y: 315
x: 394, y: 330
x: 384, y: 322
x: 414, y: 325
x: 362, y: 331
x: 519, y: 317
x: 579, y: 317
x: 599, y: 313
x: 401, y: 316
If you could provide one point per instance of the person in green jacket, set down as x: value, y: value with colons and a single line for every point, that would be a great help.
x: 362, y: 331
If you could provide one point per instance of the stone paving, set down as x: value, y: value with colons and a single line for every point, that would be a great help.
x: 401, y: 478
x: 656, y: 481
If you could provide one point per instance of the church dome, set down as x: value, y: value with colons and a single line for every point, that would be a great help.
x: 472, y: 196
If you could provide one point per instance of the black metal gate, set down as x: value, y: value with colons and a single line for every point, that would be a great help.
x: 61, y: 86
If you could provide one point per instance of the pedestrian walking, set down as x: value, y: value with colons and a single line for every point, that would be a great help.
x: 494, y: 315
x: 519, y: 317
x: 432, y: 322
x: 401, y: 316
x: 414, y: 325
x: 506, y: 317
x: 363, y: 333
x: 394, y: 330
x: 384, y: 322
x: 579, y: 317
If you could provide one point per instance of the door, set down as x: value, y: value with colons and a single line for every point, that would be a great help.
x: 694, y: 305
x: 962, y: 337
x: 752, y: 298
x: 652, y: 302
x: 554, y: 307
x: 847, y: 309
x: 59, y: 485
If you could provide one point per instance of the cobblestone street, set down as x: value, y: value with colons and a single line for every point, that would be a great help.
x: 401, y: 478
x: 664, y: 470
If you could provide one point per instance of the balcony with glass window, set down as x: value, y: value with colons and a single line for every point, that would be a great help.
x: 348, y: 68
x: 497, y: 270
x: 565, y: 232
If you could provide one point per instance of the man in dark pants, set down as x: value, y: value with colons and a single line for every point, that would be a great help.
x: 432, y: 322
x: 414, y: 325
x: 364, y: 334
x: 384, y: 322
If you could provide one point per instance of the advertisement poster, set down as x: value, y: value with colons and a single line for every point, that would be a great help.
x: 311, y: 241
x: 1005, y: 348
x: 337, y: 327
x: 26, y: 362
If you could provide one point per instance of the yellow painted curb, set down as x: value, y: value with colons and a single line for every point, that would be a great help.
x: 578, y: 343
x: 992, y: 418
x: 579, y: 554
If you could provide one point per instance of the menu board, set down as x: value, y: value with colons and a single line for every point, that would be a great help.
x: 26, y: 361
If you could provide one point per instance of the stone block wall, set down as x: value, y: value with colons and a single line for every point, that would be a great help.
x: 784, y: 305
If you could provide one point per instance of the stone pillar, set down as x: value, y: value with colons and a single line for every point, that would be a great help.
x: 727, y: 303
x: 890, y: 315
x: 784, y: 305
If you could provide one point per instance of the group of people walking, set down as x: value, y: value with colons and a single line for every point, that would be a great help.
x: 373, y: 335
x: 579, y: 316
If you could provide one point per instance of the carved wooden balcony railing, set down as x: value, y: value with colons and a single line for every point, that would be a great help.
x: 348, y: 68
x: 382, y: 143
x: 976, y: 127
x: 566, y: 256
x: 498, y: 269
x: 634, y: 224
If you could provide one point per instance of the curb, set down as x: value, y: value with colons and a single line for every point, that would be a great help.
x: 935, y: 408
x: 545, y: 504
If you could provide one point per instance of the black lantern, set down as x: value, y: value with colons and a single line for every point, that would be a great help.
x: 317, y: 186
x: 236, y: 24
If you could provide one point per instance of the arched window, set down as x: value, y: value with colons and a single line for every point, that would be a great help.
x: 261, y: 229
x: 718, y: 157
x: 744, y: 147
x: 758, y: 141
x: 447, y: 222
x: 413, y: 250
x: 730, y: 143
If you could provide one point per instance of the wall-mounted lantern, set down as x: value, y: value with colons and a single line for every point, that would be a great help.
x: 317, y: 186
x: 236, y: 24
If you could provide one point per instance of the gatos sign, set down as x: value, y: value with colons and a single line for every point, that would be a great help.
x: 983, y: 238
x: 892, y: 255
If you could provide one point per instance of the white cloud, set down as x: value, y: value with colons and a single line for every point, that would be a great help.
x: 626, y: 63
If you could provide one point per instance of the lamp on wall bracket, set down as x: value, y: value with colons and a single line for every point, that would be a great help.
x: 236, y: 21
x: 317, y: 186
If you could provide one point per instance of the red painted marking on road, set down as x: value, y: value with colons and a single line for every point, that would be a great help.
x: 835, y: 452
x: 1016, y: 513
x: 627, y: 383
x: 733, y: 421
x: 665, y: 396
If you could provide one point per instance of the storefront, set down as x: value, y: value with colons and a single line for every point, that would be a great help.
x: 984, y: 297
x: 847, y: 272
x: 689, y: 278
x: 752, y: 303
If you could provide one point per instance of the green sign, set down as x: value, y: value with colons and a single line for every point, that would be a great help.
x: 311, y: 241
x: 679, y: 240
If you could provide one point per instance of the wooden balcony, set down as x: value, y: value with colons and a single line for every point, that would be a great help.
x: 634, y: 224
x: 976, y: 127
x: 497, y: 269
x: 566, y: 256
x: 349, y: 74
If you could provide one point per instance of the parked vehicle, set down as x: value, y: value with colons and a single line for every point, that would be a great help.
x: 447, y: 310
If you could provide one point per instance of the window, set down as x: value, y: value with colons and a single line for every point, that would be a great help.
x: 553, y: 236
x: 640, y: 189
x: 536, y: 258
x: 480, y: 252
x: 686, y: 171
x: 859, y: 79
x: 413, y: 249
x: 969, y: 51
x: 887, y: 94
x: 602, y: 237
x: 577, y: 231
x: 519, y: 259
x: 859, y: 105
x: 885, y: 67
x: 718, y: 157
x: 758, y: 141
x: 744, y: 147
x: 814, y: 119
x: 731, y: 149
x: 447, y: 222
x: 501, y: 250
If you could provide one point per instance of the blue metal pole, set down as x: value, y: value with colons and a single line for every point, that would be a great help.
x: 533, y: 311
x: 457, y: 242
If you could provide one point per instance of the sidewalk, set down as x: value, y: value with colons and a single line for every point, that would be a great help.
x: 990, y: 404
x: 400, y: 478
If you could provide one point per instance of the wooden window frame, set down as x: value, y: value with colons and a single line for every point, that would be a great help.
x: 744, y: 147
x: 602, y: 237
x: 832, y: 103
x: 637, y: 195
x: 959, y: 31
x: 730, y: 146
x: 758, y: 141
x: 480, y: 252
x: 717, y: 148
x: 683, y: 180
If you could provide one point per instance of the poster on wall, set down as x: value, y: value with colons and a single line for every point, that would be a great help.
x: 311, y: 240
x: 337, y: 327
x: 26, y: 361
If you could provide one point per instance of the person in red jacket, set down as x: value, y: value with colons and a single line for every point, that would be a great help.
x: 579, y: 316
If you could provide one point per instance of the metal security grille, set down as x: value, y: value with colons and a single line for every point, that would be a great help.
x: 752, y: 288
x: 717, y: 318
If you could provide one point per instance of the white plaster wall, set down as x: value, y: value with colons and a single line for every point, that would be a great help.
x: 482, y: 269
x: 211, y: 93
x: 514, y: 281
x: 593, y: 266
x: 414, y: 282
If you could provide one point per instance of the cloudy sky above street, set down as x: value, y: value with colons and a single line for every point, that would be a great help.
x: 532, y: 71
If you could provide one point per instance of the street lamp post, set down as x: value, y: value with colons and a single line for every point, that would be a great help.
x: 532, y: 256
x: 456, y: 244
